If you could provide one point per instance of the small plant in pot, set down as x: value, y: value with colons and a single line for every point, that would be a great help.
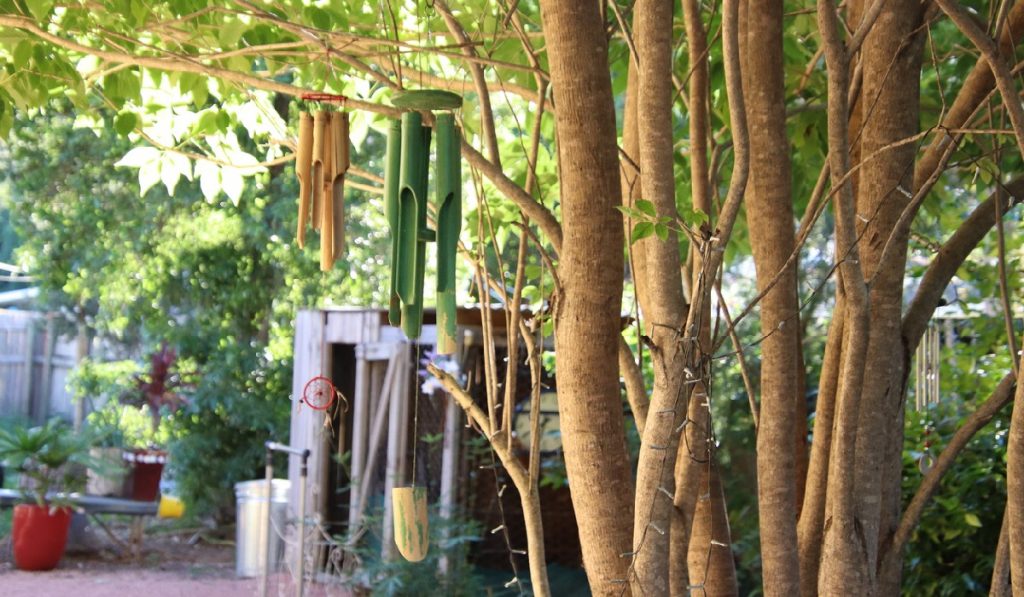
x: 108, y: 442
x: 49, y: 460
x: 110, y: 425
x: 157, y: 392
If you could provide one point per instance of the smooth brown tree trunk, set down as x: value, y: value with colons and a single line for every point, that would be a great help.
x: 687, y: 478
x: 812, y: 515
x: 1015, y: 487
x: 891, y: 58
x: 662, y: 304
x: 843, y: 560
x: 590, y: 271
x: 770, y: 221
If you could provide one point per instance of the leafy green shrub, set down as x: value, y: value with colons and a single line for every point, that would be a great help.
x: 112, y: 423
x: 952, y: 550
x: 239, y: 402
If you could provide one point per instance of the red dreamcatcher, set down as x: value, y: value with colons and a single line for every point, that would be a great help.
x: 319, y: 393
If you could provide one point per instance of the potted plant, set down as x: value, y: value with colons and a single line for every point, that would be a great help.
x: 157, y: 392
x: 45, y: 458
x: 108, y: 440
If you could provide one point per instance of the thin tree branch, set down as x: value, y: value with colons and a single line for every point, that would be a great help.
x: 1000, y: 70
x: 948, y: 260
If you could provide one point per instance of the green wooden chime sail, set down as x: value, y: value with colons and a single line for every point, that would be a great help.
x: 407, y: 167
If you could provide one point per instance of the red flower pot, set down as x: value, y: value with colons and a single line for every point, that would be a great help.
x: 147, y: 466
x: 38, y: 536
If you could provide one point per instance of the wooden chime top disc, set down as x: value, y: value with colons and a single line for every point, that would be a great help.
x: 426, y: 99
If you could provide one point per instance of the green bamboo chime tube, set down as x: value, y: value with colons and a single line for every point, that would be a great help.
x: 411, y: 249
x: 406, y: 173
x: 392, y: 168
x: 448, y: 198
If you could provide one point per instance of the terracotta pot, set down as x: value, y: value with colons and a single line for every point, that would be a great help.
x: 147, y: 467
x: 38, y: 536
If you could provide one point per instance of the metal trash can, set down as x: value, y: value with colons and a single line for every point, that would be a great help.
x: 251, y: 504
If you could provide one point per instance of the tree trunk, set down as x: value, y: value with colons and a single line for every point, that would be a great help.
x: 770, y: 222
x: 890, y: 100
x: 812, y: 515
x: 686, y: 484
x: 1000, y: 585
x: 843, y: 560
x: 1015, y: 487
x: 590, y: 271
x: 662, y: 303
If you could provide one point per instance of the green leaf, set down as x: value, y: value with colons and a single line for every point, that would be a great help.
x: 200, y: 92
x: 640, y: 231
x: 40, y: 9
x: 223, y: 120
x: 972, y: 519
x: 126, y: 122
x: 695, y: 217
x: 139, y: 12
x: 230, y: 33
x: 627, y: 211
x: 317, y: 17
x: 661, y: 230
x: 22, y: 54
x: 646, y: 207
x: 206, y: 123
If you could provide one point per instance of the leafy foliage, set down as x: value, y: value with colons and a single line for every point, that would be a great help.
x: 45, y: 457
x: 952, y: 550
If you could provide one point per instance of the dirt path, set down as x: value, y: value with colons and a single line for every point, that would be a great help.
x: 170, y: 565
x: 144, y: 583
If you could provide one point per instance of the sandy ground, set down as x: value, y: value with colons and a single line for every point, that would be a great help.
x: 171, y: 564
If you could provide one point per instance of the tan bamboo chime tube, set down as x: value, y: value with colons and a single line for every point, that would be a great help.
x: 322, y: 160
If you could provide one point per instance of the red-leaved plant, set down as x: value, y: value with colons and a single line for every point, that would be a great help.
x: 158, y: 388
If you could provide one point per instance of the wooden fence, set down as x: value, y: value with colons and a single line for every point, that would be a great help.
x: 34, y: 365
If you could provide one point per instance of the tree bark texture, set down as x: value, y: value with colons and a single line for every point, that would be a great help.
x: 590, y: 271
x: 687, y: 486
x: 812, y: 515
x: 1015, y: 488
x: 843, y: 560
x: 632, y: 187
x: 661, y: 304
x: 709, y: 556
x: 890, y: 95
x: 770, y: 223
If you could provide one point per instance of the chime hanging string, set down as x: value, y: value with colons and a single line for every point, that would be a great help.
x: 416, y: 416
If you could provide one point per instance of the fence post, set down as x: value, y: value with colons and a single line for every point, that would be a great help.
x: 29, y: 358
x: 42, y: 410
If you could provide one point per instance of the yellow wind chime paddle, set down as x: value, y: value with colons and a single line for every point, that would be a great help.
x: 321, y: 163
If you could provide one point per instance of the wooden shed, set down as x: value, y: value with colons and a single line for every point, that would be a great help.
x: 378, y: 437
x: 369, y: 441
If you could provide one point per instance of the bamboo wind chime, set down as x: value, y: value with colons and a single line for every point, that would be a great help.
x: 322, y: 161
x: 406, y: 173
x: 405, y: 203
